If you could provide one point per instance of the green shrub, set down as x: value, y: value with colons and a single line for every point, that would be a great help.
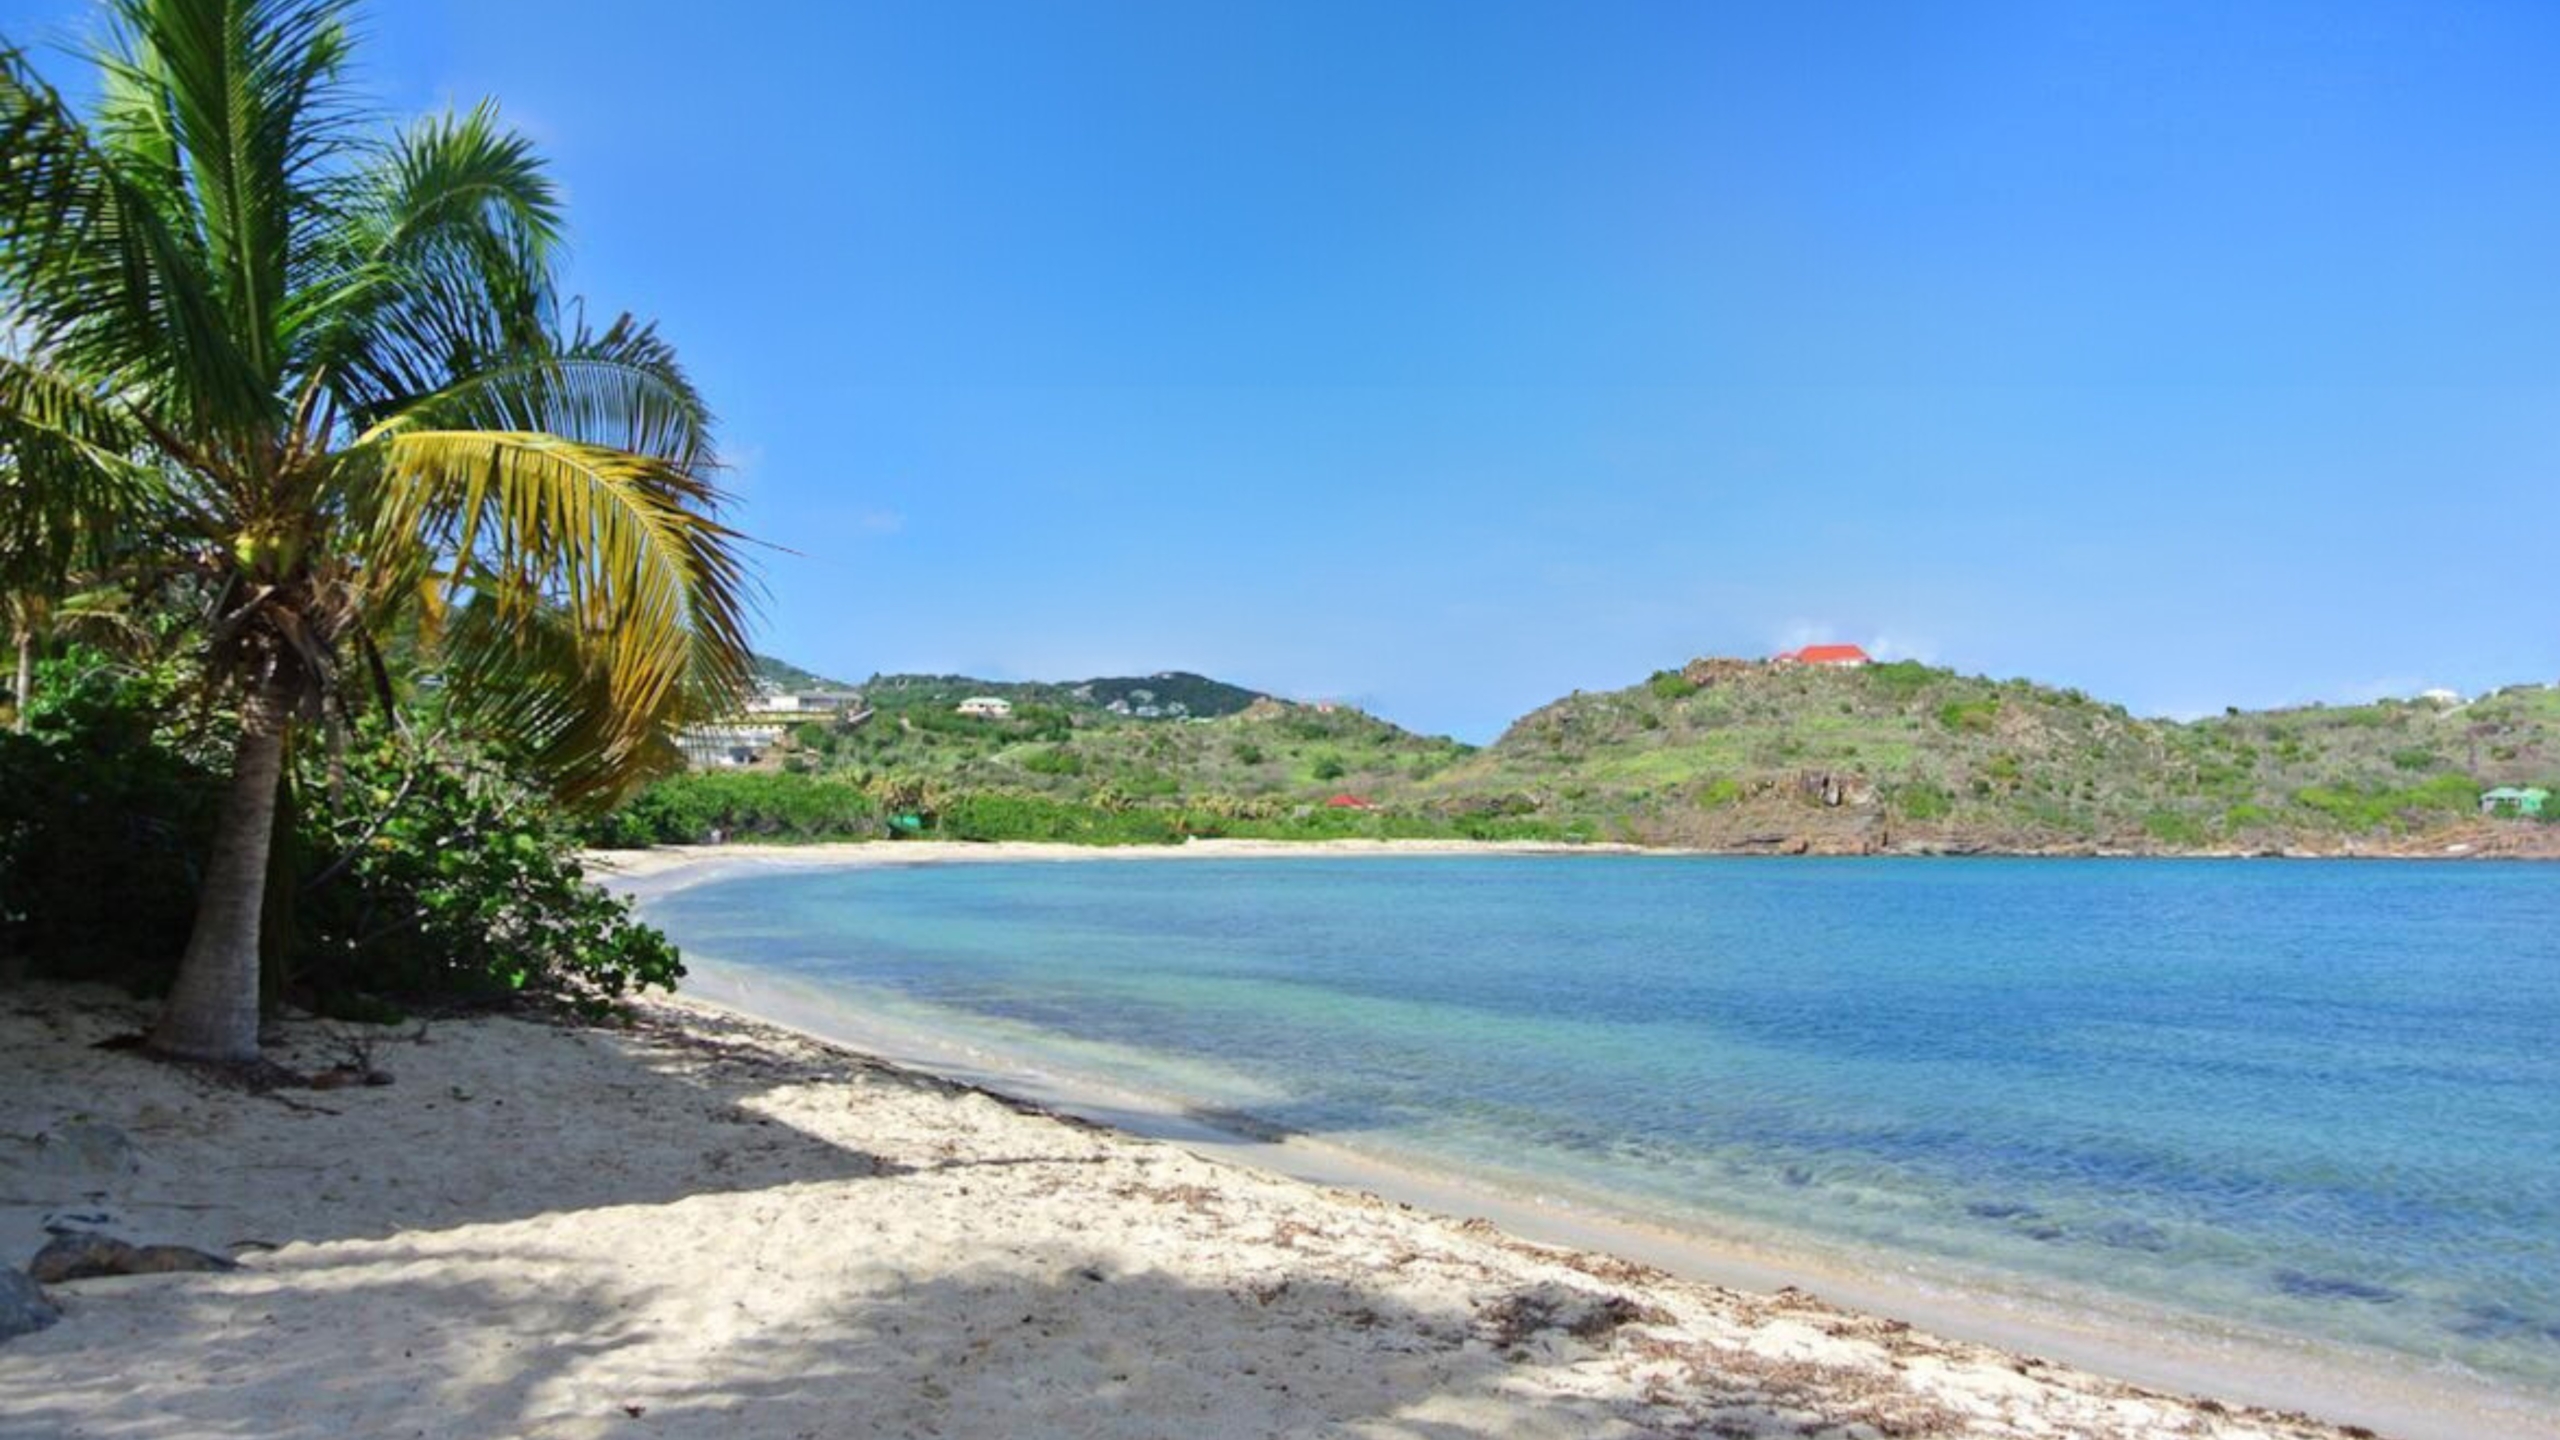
x: 1053, y: 760
x: 1899, y: 680
x: 689, y: 809
x: 407, y: 869
x: 2378, y: 807
x: 105, y: 820
x: 2246, y: 817
x: 1976, y: 716
x: 435, y: 876
x: 2415, y: 758
x: 1669, y: 685
x: 1002, y: 815
x: 1721, y: 791
x: 2174, y: 827
x: 1329, y: 766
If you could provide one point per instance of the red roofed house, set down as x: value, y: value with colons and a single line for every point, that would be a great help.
x: 1823, y: 655
x: 1349, y: 802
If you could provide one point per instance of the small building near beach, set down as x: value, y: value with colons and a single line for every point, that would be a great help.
x: 2514, y: 800
x: 726, y: 746
x: 1843, y: 655
x: 987, y: 707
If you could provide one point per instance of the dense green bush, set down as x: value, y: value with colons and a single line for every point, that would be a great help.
x: 2176, y: 827
x: 998, y: 815
x: 1921, y: 800
x: 1053, y: 760
x: 2380, y: 807
x: 1977, y: 716
x: 1899, y: 680
x: 432, y: 874
x: 104, y: 825
x: 1720, y: 791
x: 693, y: 808
x: 407, y: 870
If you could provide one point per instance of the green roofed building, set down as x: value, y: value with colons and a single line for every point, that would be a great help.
x: 2509, y: 800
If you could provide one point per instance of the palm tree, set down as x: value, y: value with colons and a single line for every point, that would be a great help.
x: 334, y: 361
x: 60, y: 514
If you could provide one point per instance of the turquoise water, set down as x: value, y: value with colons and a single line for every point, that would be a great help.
x: 2323, y: 1097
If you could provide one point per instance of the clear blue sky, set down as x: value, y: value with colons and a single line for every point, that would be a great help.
x: 1447, y: 357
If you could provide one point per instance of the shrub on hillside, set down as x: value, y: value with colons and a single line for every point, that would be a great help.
x: 2174, y: 827
x: 2381, y: 807
x: 691, y: 808
x: 999, y: 815
x: 1053, y: 760
x: 1899, y: 680
x: 1974, y: 716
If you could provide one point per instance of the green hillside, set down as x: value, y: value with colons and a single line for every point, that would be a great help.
x: 1730, y: 754
x: 1170, y: 695
x: 1721, y: 754
x: 783, y: 675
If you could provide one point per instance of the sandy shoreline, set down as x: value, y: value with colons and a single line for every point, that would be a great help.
x: 705, y: 1225
x: 2103, y: 1333
x: 666, y: 867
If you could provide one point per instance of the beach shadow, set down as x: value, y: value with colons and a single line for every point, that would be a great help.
x: 445, y: 1145
x: 679, y: 1268
x: 388, y: 1337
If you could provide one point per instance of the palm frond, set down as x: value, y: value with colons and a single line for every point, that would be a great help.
x: 528, y: 682
x: 624, y: 549
x: 99, y: 276
x: 443, y: 264
x: 247, y: 96
x: 68, y: 483
x: 621, y: 389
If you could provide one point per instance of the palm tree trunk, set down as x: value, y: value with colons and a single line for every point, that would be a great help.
x: 26, y: 678
x: 212, y: 1012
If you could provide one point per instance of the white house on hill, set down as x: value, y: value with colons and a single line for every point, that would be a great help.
x: 987, y: 707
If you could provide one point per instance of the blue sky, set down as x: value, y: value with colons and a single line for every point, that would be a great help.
x: 1448, y: 357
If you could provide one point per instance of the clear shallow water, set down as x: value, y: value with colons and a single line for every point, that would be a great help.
x: 2319, y: 1096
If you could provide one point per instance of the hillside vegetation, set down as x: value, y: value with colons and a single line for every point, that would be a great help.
x: 1720, y: 754
x: 1731, y: 754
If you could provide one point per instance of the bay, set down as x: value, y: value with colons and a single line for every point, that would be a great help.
x: 2322, y: 1097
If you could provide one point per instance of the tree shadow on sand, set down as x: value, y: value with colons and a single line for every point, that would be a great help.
x: 672, y: 1268
x: 443, y: 1146
x: 457, y: 1341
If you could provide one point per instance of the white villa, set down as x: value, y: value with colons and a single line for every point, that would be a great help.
x: 987, y: 707
x: 723, y: 747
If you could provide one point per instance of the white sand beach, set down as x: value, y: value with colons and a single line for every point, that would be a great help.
x: 702, y: 1224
